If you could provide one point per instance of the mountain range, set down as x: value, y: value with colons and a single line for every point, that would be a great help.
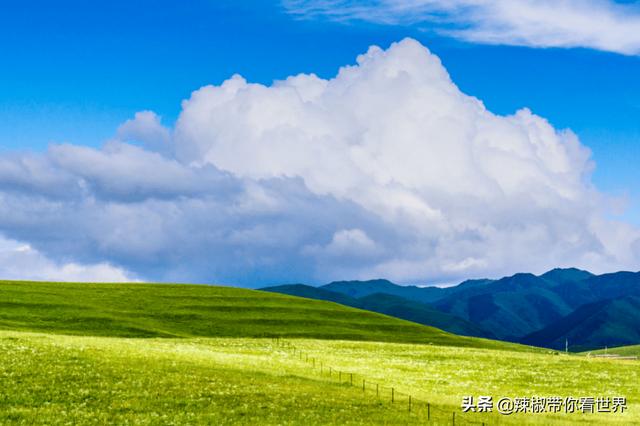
x: 589, y: 311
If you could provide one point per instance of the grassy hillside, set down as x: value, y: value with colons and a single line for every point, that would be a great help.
x: 57, y: 379
x: 160, y: 310
x: 310, y: 292
x: 633, y: 350
x: 389, y: 304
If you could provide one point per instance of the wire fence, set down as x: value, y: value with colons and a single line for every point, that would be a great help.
x: 389, y: 394
x: 617, y: 353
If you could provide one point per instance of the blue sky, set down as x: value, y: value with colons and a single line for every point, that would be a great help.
x: 73, y: 71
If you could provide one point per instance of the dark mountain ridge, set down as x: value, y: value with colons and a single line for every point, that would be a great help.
x: 522, y: 307
x: 614, y: 322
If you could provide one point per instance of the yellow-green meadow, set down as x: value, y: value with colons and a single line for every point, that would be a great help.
x: 52, y: 375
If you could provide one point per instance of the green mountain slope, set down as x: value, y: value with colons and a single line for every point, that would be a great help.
x: 516, y: 306
x: 509, y: 307
x: 608, y: 286
x: 388, y: 304
x: 421, y: 313
x: 596, y: 325
x: 161, y: 310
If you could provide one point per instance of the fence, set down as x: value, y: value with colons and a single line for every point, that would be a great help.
x: 610, y: 353
x: 391, y: 395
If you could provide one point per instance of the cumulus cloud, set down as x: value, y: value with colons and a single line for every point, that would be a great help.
x: 145, y: 128
x: 22, y: 262
x: 597, y: 24
x: 386, y: 170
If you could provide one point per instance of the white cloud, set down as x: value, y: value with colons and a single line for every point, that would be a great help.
x: 345, y: 243
x: 386, y: 170
x: 22, y: 262
x: 597, y: 24
x: 146, y: 128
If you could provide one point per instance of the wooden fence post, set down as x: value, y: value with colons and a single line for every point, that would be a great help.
x: 453, y: 419
x: 281, y: 343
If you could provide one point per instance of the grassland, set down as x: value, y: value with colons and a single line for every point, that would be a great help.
x: 53, y: 379
x: 87, y: 380
x: 143, y: 354
x: 443, y: 375
x: 633, y: 350
x: 162, y: 310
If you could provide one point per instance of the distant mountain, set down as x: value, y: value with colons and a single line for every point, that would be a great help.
x: 613, y: 285
x: 516, y: 306
x: 595, y: 325
x: 511, y: 308
x: 421, y: 313
x: 389, y: 304
x: 569, y: 275
x: 359, y: 289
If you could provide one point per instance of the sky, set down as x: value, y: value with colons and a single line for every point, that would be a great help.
x: 95, y: 97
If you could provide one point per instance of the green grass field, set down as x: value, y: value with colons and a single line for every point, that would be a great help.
x: 162, y: 310
x: 160, y: 354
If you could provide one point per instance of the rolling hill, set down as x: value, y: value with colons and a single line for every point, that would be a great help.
x: 163, y: 310
x: 317, y: 293
x: 631, y: 350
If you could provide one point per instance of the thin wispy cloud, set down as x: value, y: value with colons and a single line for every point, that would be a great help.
x: 596, y: 24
